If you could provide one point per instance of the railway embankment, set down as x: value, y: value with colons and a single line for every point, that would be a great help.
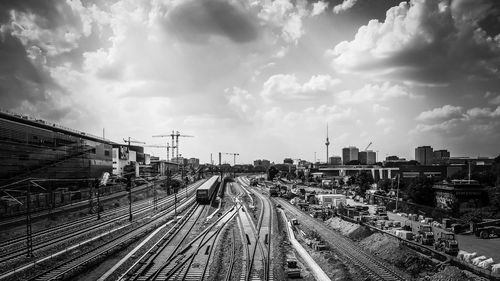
x: 389, y: 249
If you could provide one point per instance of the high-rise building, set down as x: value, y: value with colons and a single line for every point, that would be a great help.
x: 368, y: 157
x: 349, y: 154
x: 335, y: 160
x: 441, y: 154
x: 424, y: 155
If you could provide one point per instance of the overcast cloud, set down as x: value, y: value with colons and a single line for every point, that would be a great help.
x: 261, y: 78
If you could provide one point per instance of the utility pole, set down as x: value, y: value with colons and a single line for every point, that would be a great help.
x: 397, y: 193
x: 130, y: 182
x: 29, y: 237
x: 155, y: 197
x: 97, y: 186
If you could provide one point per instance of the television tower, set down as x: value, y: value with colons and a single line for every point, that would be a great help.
x: 327, y: 143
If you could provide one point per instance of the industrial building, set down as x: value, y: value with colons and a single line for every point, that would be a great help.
x: 466, y: 195
x: 34, y: 148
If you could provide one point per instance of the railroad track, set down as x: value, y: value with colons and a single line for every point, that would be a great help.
x: 193, y: 263
x: 172, y: 259
x: 88, y: 219
x: 66, y: 269
x: 64, y: 232
x: 258, y: 265
x: 232, y: 259
x: 161, y: 262
x: 375, y: 268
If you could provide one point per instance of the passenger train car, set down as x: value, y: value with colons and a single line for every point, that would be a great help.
x: 206, y: 190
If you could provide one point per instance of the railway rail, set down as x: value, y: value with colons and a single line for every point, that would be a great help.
x: 74, y: 229
x: 171, y: 259
x: 229, y: 272
x: 66, y: 269
x: 375, y: 268
x: 259, y: 262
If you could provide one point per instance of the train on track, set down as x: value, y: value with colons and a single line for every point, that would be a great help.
x: 206, y: 190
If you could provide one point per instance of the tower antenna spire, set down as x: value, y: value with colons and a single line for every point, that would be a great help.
x: 327, y: 143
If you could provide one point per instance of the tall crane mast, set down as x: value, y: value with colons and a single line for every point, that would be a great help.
x: 177, y: 135
x: 167, y: 146
x: 175, y: 142
x: 160, y: 146
x: 234, y: 155
x: 172, y: 135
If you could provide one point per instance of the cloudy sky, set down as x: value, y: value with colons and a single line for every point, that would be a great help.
x: 260, y: 78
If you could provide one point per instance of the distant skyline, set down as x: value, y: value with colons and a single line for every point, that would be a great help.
x: 260, y: 78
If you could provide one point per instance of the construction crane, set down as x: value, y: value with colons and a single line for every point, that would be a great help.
x: 234, y: 155
x: 161, y: 146
x: 175, y: 140
x: 129, y: 141
x: 368, y: 146
x: 177, y: 135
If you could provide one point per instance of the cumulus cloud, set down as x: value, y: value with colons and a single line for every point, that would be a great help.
x: 485, y: 112
x: 441, y: 113
x: 384, y: 121
x: 424, y: 42
x: 318, y: 8
x: 377, y: 108
x: 287, y: 87
x: 285, y: 17
x: 196, y: 21
x: 344, y: 6
x: 493, y: 98
x: 476, y: 121
x: 374, y: 92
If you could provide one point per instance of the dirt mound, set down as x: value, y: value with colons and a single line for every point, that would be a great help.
x: 349, y: 229
x: 450, y: 273
x: 388, y: 248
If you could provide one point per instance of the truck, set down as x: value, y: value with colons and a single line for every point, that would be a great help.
x: 425, y: 236
x: 486, y: 229
x: 447, y: 243
x: 380, y: 211
x: 292, y: 271
x: 273, y: 191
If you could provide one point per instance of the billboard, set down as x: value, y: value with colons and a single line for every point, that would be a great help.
x: 123, y: 151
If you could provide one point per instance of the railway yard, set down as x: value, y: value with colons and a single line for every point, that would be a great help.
x: 219, y: 229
